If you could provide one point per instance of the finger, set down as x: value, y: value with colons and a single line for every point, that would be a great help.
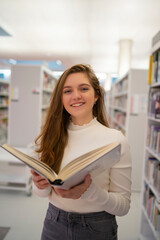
x: 87, y: 179
x: 43, y: 182
x: 34, y: 173
x: 39, y: 178
x: 42, y: 186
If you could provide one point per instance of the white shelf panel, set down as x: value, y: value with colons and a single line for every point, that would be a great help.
x: 4, y: 178
x: 127, y: 99
x: 155, y: 233
x: 157, y: 195
x: 152, y: 118
x: 121, y: 94
x: 4, y: 94
x: 47, y: 90
x: 122, y: 78
x: 119, y: 109
x: 156, y: 47
x: 156, y: 155
x: 4, y: 81
x: 36, y: 88
x: 17, y: 187
x: 44, y: 107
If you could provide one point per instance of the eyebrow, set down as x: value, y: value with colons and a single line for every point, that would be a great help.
x: 83, y: 84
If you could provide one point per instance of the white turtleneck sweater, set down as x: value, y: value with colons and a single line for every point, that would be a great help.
x: 110, y: 191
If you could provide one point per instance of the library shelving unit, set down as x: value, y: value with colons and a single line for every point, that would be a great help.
x: 14, y: 175
x: 150, y: 201
x: 30, y: 91
x: 128, y: 114
x: 107, y: 101
x: 4, y: 103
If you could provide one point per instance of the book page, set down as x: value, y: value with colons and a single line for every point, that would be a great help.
x: 98, y: 166
x: 31, y: 162
x: 85, y: 160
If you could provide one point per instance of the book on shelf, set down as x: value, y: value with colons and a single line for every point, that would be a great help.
x: 150, y: 70
x: 157, y: 106
x: 155, y: 68
x: 151, y: 167
x: 153, y: 137
x: 158, y: 74
x: 158, y: 142
x: 158, y: 223
x: 93, y: 162
x: 154, y: 94
x: 153, y: 173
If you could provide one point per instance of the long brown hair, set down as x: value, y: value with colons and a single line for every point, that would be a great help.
x: 54, y: 135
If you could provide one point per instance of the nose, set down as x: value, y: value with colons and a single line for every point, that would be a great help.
x: 76, y: 94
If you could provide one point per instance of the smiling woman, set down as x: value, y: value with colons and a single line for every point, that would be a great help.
x: 76, y: 124
x: 79, y: 98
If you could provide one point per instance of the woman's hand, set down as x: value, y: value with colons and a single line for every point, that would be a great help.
x: 39, y: 181
x: 75, y: 192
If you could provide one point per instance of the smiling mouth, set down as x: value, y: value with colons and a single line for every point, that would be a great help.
x: 77, y: 104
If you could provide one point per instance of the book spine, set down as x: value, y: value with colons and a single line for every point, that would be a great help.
x: 150, y: 70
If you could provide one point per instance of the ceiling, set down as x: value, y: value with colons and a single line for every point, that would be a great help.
x: 78, y: 31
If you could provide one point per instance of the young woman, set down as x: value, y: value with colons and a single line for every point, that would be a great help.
x: 75, y: 125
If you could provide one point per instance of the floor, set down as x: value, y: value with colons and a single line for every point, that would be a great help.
x: 25, y: 216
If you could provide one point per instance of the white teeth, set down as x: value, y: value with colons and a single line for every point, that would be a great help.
x: 77, y: 105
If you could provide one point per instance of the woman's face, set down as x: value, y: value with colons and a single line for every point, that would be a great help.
x: 78, y: 98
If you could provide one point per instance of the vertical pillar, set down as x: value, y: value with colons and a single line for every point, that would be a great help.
x: 124, y: 60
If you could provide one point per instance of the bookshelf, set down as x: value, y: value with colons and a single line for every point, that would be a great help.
x: 31, y: 89
x: 14, y: 175
x: 107, y: 101
x: 150, y: 201
x: 4, y: 104
x: 128, y: 114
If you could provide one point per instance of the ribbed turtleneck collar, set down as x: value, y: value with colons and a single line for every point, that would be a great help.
x: 74, y: 127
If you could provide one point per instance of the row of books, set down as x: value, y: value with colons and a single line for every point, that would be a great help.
x: 4, y: 101
x: 120, y: 117
x: 153, y: 137
x: 154, y: 102
x: 151, y: 207
x: 48, y: 81
x: 46, y: 98
x: 154, y: 68
x: 3, y: 113
x: 122, y: 86
x: 120, y: 102
x: 3, y: 131
x: 3, y: 88
x: 153, y: 172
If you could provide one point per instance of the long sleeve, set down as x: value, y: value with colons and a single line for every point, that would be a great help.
x: 115, y: 200
x: 42, y: 192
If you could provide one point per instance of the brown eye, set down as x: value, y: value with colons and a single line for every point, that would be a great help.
x: 67, y: 91
x: 84, y: 89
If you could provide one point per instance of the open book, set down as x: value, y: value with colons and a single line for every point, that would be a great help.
x: 93, y: 162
